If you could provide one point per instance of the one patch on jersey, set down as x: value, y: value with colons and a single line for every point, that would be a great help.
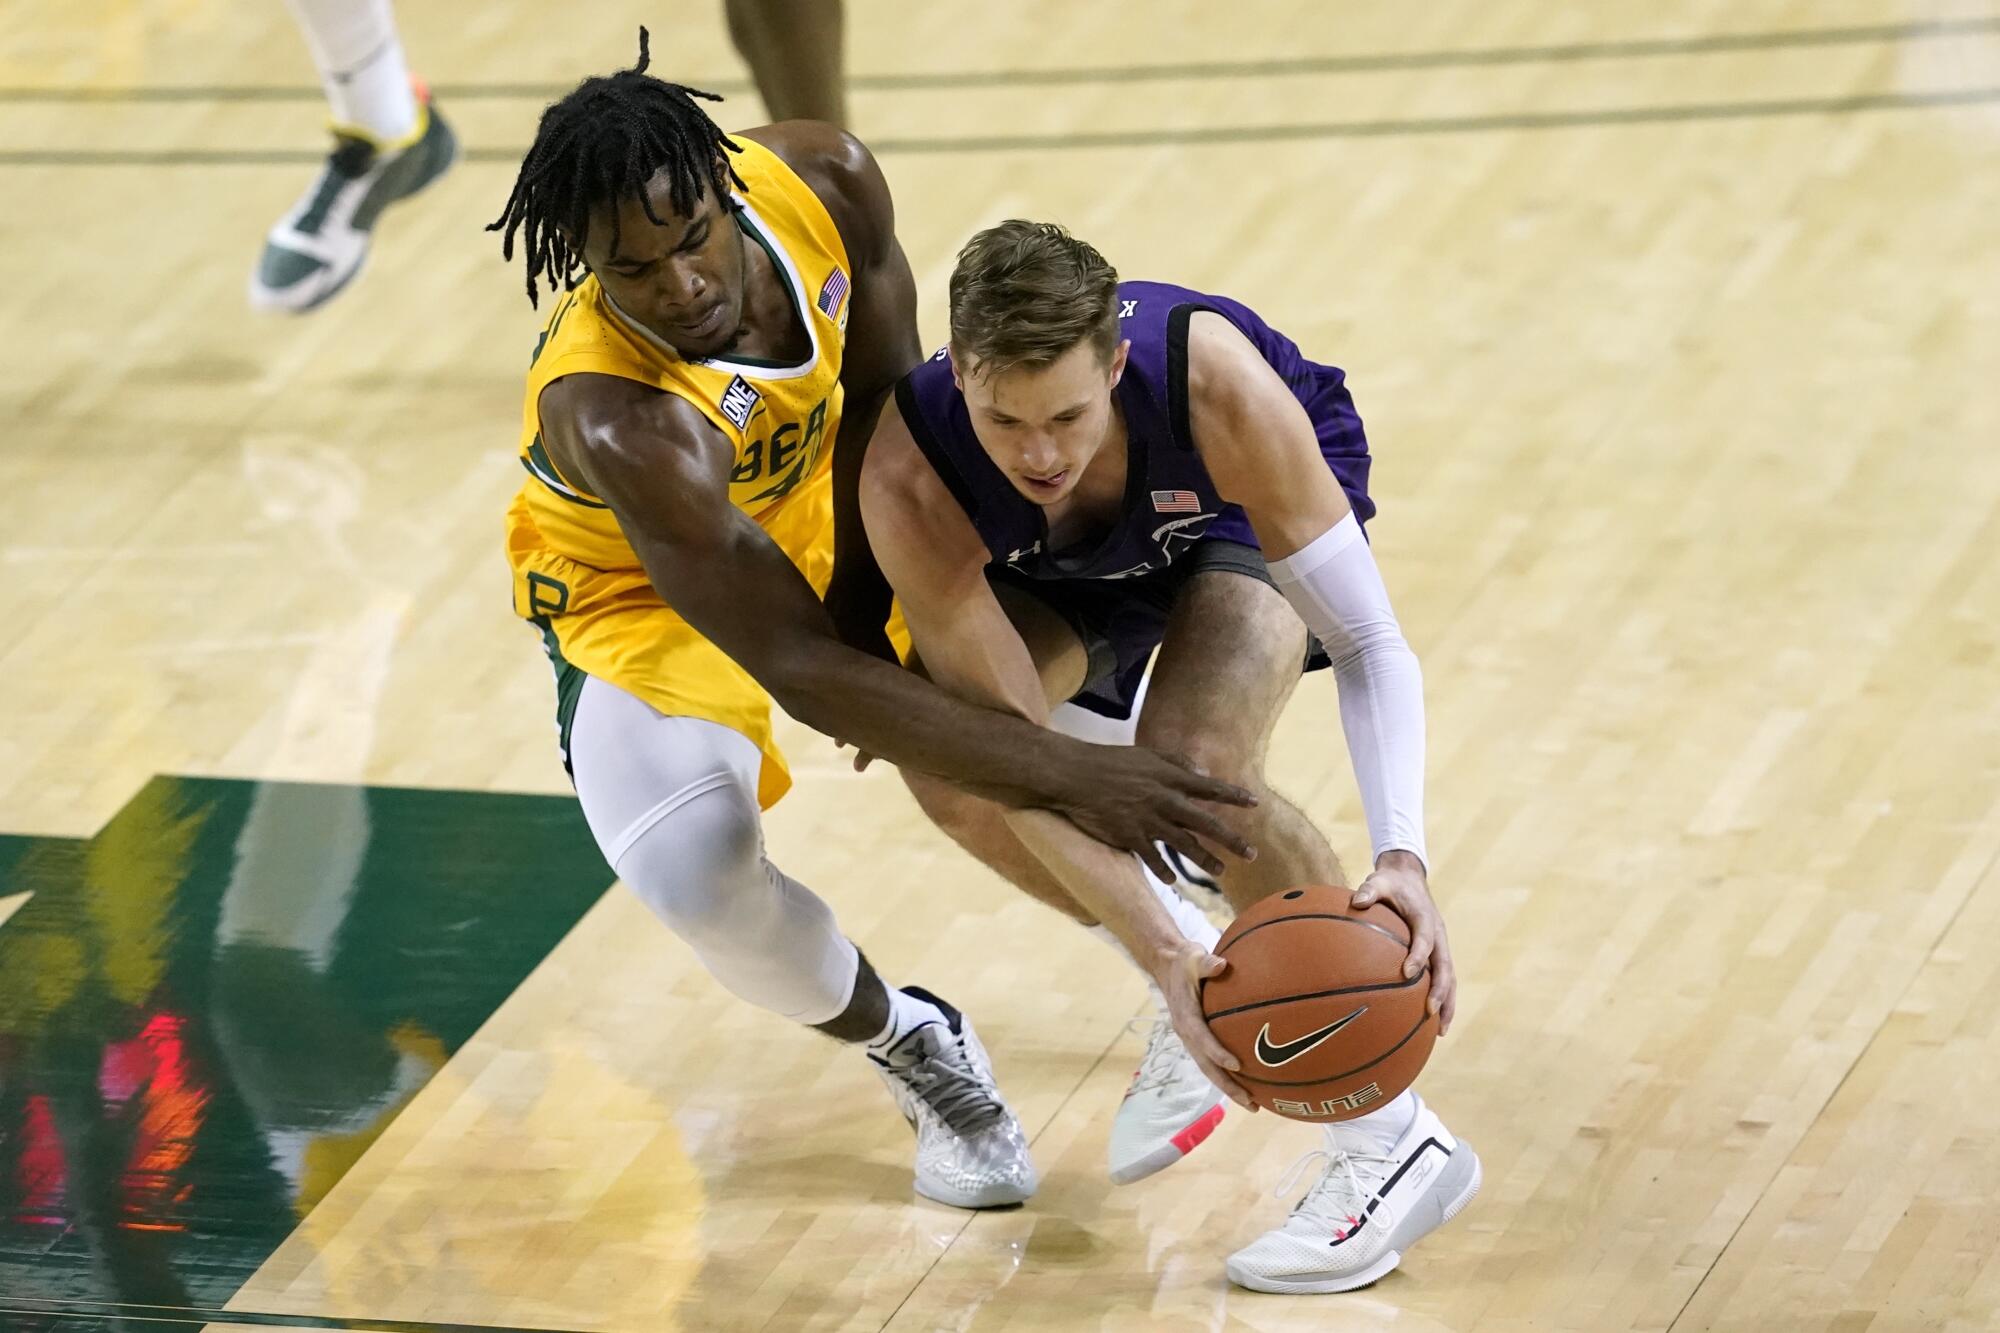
x: 1176, y: 502
x: 832, y: 293
x: 739, y: 400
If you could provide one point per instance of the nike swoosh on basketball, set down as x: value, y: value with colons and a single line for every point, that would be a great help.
x: 1273, y: 1056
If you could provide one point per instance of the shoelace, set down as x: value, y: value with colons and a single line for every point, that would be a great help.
x: 1339, y: 1198
x: 964, y: 1101
x: 1156, y: 1066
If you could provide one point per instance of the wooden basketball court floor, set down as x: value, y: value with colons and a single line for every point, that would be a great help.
x: 1676, y: 328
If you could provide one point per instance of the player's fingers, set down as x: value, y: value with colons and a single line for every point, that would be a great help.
x: 1207, y: 824
x: 1230, y: 1087
x: 1422, y: 936
x: 861, y: 761
x: 1191, y: 850
x: 1365, y: 895
x: 1189, y: 844
x: 1156, y: 861
x: 1444, y: 988
x: 1204, y: 788
x: 1203, y: 1046
x: 1208, y: 1057
x: 1196, y: 782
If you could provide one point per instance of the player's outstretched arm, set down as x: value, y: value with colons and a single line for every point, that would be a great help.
x: 1259, y: 446
x: 936, y: 562
x: 880, y: 347
x: 664, y: 471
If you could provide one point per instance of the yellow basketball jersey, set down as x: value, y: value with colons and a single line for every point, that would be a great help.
x: 577, y: 578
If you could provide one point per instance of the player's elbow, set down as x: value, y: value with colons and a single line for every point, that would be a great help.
x: 1371, y: 647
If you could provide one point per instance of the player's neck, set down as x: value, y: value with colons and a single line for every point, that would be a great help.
x: 771, y: 327
x: 1100, y: 491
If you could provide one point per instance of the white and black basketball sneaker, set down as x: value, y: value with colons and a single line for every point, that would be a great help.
x: 316, y: 249
x: 971, y: 1152
x: 1365, y: 1211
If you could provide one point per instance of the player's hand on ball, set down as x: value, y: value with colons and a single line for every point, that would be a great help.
x: 1179, y: 974
x: 1133, y: 797
x: 1399, y: 881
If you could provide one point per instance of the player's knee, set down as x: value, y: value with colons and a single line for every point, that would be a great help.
x: 1218, y: 756
x: 700, y: 867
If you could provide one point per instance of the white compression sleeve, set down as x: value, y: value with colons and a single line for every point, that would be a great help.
x: 1335, y: 586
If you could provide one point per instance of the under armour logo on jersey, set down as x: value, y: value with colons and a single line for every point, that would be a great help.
x: 1127, y: 309
x: 1016, y: 556
x: 1176, y: 502
x: 739, y: 400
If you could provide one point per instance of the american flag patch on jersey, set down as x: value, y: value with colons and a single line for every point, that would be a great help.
x: 1176, y: 502
x: 832, y: 294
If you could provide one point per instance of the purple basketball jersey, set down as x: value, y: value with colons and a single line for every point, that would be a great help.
x: 1170, y: 503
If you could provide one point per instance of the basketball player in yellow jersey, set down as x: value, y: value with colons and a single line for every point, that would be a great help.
x: 745, y: 310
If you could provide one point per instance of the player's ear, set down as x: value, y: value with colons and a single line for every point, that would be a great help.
x: 957, y: 379
x: 1118, y: 361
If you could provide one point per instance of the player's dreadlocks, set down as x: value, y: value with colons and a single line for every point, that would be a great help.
x: 600, y: 145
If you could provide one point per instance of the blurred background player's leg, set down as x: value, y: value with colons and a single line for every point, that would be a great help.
x: 388, y: 143
x: 793, y: 48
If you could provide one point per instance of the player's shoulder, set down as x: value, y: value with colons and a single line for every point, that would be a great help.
x: 842, y: 174
x: 895, y: 466
x: 614, y: 420
x: 1219, y: 355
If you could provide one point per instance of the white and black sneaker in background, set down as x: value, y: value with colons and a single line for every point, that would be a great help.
x: 316, y: 249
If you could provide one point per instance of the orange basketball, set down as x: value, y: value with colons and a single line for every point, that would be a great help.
x: 1316, y: 1006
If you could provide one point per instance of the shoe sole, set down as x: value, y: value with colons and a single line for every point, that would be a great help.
x: 1010, y: 1198
x: 1179, y: 1146
x: 1404, y: 1236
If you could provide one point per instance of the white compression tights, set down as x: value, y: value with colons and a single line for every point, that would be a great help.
x: 672, y: 802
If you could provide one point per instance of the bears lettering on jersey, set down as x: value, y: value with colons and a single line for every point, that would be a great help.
x: 787, y: 455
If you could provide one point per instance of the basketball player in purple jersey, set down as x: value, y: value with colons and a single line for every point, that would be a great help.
x: 1093, y: 470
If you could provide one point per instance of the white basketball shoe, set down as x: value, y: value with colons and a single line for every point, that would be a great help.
x: 971, y: 1152
x: 1168, y: 1110
x: 1366, y: 1210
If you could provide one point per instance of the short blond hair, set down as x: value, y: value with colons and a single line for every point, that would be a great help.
x: 1024, y: 293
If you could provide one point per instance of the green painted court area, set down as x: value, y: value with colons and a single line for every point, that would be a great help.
x: 212, y: 1008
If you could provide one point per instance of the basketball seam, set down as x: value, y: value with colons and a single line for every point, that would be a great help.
x: 1319, y: 995
x: 1347, y: 1073
x: 1309, y: 916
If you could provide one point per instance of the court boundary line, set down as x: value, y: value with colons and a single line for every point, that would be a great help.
x: 1631, y: 48
x: 119, y: 1313
x: 1610, y: 117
